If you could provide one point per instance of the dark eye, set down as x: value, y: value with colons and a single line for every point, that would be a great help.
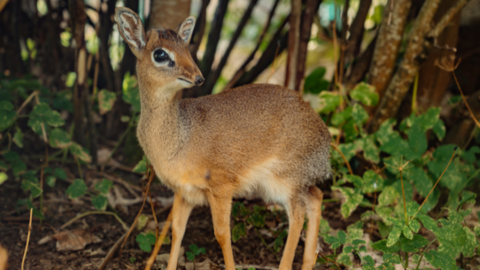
x: 160, y: 56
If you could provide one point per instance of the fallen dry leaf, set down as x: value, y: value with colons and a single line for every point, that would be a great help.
x: 74, y: 240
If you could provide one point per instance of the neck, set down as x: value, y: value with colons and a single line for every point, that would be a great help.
x: 159, y: 128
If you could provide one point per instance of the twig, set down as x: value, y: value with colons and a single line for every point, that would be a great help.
x: 152, y: 174
x: 435, y: 32
x: 154, y: 217
x: 111, y: 252
x: 28, y: 238
x: 159, y: 242
x: 124, y: 226
x: 26, y: 101
x: 328, y: 259
x: 247, y: 266
x: 444, y: 170
x: 343, y: 156
x: 423, y: 253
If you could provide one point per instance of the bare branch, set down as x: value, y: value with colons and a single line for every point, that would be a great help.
x: 293, y: 44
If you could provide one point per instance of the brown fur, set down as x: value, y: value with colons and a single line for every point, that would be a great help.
x: 253, y: 141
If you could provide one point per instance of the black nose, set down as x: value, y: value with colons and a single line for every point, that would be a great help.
x: 199, y: 80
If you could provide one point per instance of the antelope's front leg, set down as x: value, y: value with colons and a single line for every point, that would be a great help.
x: 181, y: 210
x: 221, y: 205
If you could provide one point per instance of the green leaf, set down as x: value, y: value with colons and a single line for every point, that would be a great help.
x: 352, y: 200
x: 18, y: 137
x: 348, y: 249
x: 423, y: 183
x: 428, y: 222
x: 344, y: 259
x: 414, y: 244
x: 439, y: 129
x: 417, y: 142
x: 407, y: 232
x: 394, y: 236
x: 278, y: 243
x: 441, y: 260
x: 16, y: 163
x: 80, y: 152
x: 341, y: 117
x: 130, y: 92
x: 146, y: 241
x: 388, y: 196
x: 190, y: 256
x: 385, y: 131
x: 348, y: 150
x: 239, y: 231
x: 329, y: 101
x: 471, y: 241
x: 50, y: 180
x: 359, y: 115
x: 3, y: 166
x: 382, y: 246
x: 201, y: 251
x: 336, y: 242
x: 42, y: 114
x: 428, y: 120
x: 351, y: 131
x: 324, y: 227
x: 100, y: 202
x: 384, y: 213
x: 7, y: 116
x: 370, y: 150
x: 391, y: 258
x: 3, y: 177
x: 365, y: 93
x: 412, y: 208
x: 104, y: 186
x: 59, y: 138
x: 396, y: 146
x: 106, y: 99
x: 6, y: 105
x: 372, y: 182
x: 34, y: 188
x: 314, y: 83
x: 141, y: 166
x: 414, y: 225
x: 60, y: 173
x: 76, y: 189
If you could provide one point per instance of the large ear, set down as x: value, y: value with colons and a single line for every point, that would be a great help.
x: 185, y: 29
x: 131, y: 29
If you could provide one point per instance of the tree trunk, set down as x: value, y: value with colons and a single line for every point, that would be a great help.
x: 388, y: 43
x: 293, y: 44
x: 168, y: 14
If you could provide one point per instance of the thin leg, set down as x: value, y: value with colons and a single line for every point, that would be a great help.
x: 296, y: 215
x: 221, y: 207
x: 181, y: 211
x: 314, y: 215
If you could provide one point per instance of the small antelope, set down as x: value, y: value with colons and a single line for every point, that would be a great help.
x: 257, y: 140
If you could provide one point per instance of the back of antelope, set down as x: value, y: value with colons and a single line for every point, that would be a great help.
x: 257, y: 140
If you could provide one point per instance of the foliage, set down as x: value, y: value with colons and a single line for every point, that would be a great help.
x: 146, y: 241
x: 194, y: 251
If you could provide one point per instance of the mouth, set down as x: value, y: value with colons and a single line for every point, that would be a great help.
x: 185, y: 80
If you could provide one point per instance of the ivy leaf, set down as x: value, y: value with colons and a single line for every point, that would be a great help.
x: 76, y: 189
x: 104, y: 186
x: 414, y: 225
x: 394, y: 235
x: 391, y: 258
x: 106, y: 99
x: 43, y: 114
x: 344, y: 259
x: 50, y: 180
x: 470, y: 154
x: 80, y: 152
x: 130, y: 92
x: 60, y: 173
x: 385, y: 131
x: 439, y: 129
x: 382, y: 246
x: 388, y: 196
x: 428, y: 222
x: 278, y: 243
x: 352, y: 200
x: 33, y: 187
x: 372, y: 182
x: 3, y: 177
x: 407, y: 232
x: 141, y: 166
x: 18, y: 137
x: 336, y: 242
x: 365, y: 93
x: 190, y: 256
x: 412, y: 208
x: 423, y: 183
x: 441, y: 260
x: 59, y: 138
x: 384, y: 213
x: 341, y: 117
x: 471, y: 241
x: 100, y: 202
x: 16, y: 163
x: 428, y: 120
x: 351, y: 131
x: 370, y: 150
x: 417, y: 142
x: 414, y: 244
x: 348, y: 150
x: 7, y: 116
x: 396, y: 146
x: 239, y: 231
x: 146, y: 241
x: 314, y: 83
x: 329, y: 101
x: 359, y: 115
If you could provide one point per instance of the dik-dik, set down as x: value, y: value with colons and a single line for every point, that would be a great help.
x: 257, y: 140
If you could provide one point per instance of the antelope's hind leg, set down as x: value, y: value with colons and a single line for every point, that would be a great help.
x: 314, y: 215
x: 296, y: 216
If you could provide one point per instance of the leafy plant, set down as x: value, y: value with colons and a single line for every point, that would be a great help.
x: 194, y: 251
x: 146, y: 241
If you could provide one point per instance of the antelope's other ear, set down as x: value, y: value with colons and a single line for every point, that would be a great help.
x: 185, y: 29
x: 131, y: 29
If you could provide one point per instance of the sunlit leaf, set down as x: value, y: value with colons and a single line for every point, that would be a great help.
x: 359, y: 115
x: 365, y: 93
x: 100, y: 202
x: 18, y: 137
x: 104, y: 186
x: 80, y: 153
x: 106, y: 99
x: 352, y: 200
x: 59, y: 138
x: 3, y: 177
x: 394, y: 236
x: 329, y: 101
x: 388, y: 196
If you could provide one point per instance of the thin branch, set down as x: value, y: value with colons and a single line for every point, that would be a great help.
x: 28, y: 239
x: 111, y: 252
x: 435, y: 32
x: 343, y: 157
x: 213, y: 38
x: 212, y: 79
x: 293, y: 44
x: 241, y: 70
